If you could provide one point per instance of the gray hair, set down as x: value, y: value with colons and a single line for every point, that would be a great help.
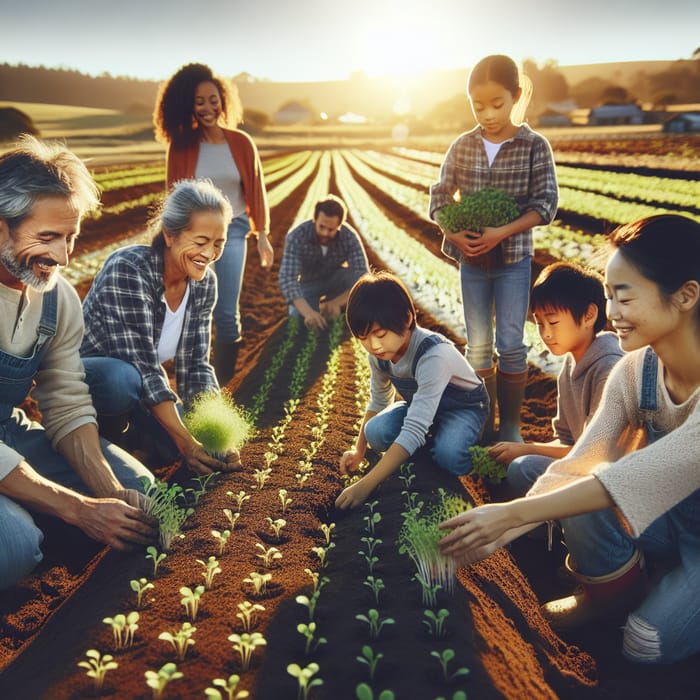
x: 184, y: 199
x: 33, y: 169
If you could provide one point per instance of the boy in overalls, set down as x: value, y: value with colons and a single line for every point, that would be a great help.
x: 444, y: 402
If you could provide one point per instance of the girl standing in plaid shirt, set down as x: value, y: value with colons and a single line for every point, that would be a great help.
x: 505, y: 154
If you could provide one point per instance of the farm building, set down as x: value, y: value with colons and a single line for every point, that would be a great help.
x: 683, y: 123
x: 615, y: 114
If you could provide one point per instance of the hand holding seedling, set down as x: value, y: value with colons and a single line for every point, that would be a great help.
x: 480, y: 243
x: 200, y: 461
x: 351, y: 460
x: 506, y: 452
x: 354, y: 495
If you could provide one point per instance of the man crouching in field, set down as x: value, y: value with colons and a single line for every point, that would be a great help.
x: 44, y: 191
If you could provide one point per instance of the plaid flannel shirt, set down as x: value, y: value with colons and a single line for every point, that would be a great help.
x: 124, y: 313
x: 523, y: 168
x: 303, y: 258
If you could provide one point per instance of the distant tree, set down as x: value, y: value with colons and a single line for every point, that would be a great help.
x: 615, y: 95
x: 589, y: 92
x: 454, y: 114
x: 548, y: 84
x: 14, y: 122
x: 255, y: 118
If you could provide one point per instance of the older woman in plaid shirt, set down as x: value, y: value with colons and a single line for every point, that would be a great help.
x: 153, y: 304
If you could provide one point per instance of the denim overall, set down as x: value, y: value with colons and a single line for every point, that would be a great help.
x: 599, y: 545
x: 458, y: 421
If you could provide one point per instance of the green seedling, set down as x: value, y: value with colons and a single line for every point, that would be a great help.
x: 376, y: 585
x: 458, y: 695
x: 247, y: 613
x: 158, y: 680
x: 305, y: 678
x: 371, y: 561
x: 276, y: 526
x: 485, y: 466
x: 435, y: 622
x: 195, y: 493
x: 317, y: 581
x: 156, y: 556
x: 165, y: 503
x: 429, y: 591
x: 123, y: 629
x: 270, y: 457
x: 371, y: 543
x: 231, y: 517
x: 322, y: 553
x: 370, y: 658
x: 229, y: 688
x: 309, y: 632
x: 488, y: 207
x: 259, y: 582
x: 245, y: 644
x: 268, y: 555
x: 371, y: 521
x: 374, y: 622
x: 411, y: 497
x: 218, y: 423
x: 261, y: 476
x: 285, y: 500
x: 444, y: 657
x: 190, y: 600
x: 221, y: 538
x: 241, y: 497
x: 365, y: 692
x: 180, y: 639
x: 309, y: 602
x: 97, y: 666
x: 211, y: 568
x: 140, y: 587
x: 326, y: 530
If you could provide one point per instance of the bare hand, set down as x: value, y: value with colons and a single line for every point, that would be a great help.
x: 506, y: 452
x: 354, y: 495
x: 480, y: 243
x: 200, y: 461
x: 265, y: 251
x: 331, y: 309
x: 119, y: 522
x: 350, y: 461
x: 232, y: 462
x: 315, y: 320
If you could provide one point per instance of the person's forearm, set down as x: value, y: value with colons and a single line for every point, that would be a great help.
x: 553, y: 449
x: 167, y: 415
x: 392, y: 459
x: 82, y: 450
x: 361, y: 442
x: 24, y: 485
x: 524, y: 222
x: 303, y: 306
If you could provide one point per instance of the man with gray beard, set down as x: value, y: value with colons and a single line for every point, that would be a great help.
x: 51, y: 468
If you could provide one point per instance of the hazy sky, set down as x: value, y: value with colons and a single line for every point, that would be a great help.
x: 299, y: 40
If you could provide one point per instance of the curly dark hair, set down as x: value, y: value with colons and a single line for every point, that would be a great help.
x: 172, y: 116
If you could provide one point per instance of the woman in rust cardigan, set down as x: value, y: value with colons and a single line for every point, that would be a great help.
x: 195, y: 115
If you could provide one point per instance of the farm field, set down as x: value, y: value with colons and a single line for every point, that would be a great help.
x: 306, y: 393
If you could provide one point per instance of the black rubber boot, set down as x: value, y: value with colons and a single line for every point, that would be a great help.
x: 225, y: 355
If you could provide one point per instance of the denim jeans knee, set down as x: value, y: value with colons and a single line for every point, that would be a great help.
x: 115, y: 385
x: 453, y: 434
x: 524, y: 471
x: 383, y: 429
x: 20, y: 539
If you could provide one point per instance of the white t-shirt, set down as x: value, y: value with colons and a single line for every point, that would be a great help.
x: 216, y: 162
x: 172, y: 328
x: 491, y: 149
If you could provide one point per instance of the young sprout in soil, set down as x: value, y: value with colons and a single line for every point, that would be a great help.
x: 317, y: 581
x: 429, y: 592
x: 309, y: 602
x: 158, y: 680
x: 164, y: 502
x: 285, y: 500
x: 371, y: 543
x: 221, y: 538
x: 376, y: 585
x: 374, y: 622
x: 229, y: 687
x: 259, y: 582
x: 123, y: 629
x: 276, y: 526
x: 411, y: 497
x: 231, y: 517
x: 309, y: 632
x: 194, y: 494
x: 444, y: 658
x: 218, y: 423
x: 322, y: 553
x: 97, y: 666
x: 140, y: 586
x: 301, y: 477
x: 180, y: 639
x: 326, y: 530
x: 211, y: 568
x: 270, y: 457
x: 190, y: 600
x: 372, y: 520
x: 156, y: 556
x: 247, y: 613
x: 485, y: 466
x: 370, y: 658
x: 435, y: 622
x: 304, y: 678
x: 245, y: 644
x: 239, y: 497
x: 261, y: 476
x: 365, y: 692
x: 268, y: 555
x: 371, y: 561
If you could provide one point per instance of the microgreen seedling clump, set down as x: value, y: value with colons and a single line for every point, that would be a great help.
x: 485, y: 466
x: 181, y: 640
x: 158, y: 680
x: 211, y: 568
x: 221, y: 538
x: 165, y: 503
x: 190, y: 600
x: 305, y: 678
x: 488, y: 207
x: 259, y: 582
x: 444, y: 657
x: 123, y: 629
x: 247, y: 613
x: 229, y: 689
x: 97, y: 666
x: 245, y: 644
x: 156, y: 557
x: 309, y: 632
x: 370, y: 658
x: 374, y: 621
x: 220, y: 425
x: 140, y: 586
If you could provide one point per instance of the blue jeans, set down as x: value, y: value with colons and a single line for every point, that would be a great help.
x: 524, y: 471
x: 229, y: 276
x: 329, y: 288
x: 453, y: 432
x: 20, y: 538
x: 504, y: 290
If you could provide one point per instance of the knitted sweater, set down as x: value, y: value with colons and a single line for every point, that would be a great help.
x: 644, y: 481
x: 182, y: 162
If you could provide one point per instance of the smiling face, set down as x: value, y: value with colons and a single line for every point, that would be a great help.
x: 561, y: 333
x: 385, y: 344
x: 31, y: 254
x: 327, y: 228
x: 492, y: 104
x: 639, y: 313
x: 207, y: 105
x: 196, y: 247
